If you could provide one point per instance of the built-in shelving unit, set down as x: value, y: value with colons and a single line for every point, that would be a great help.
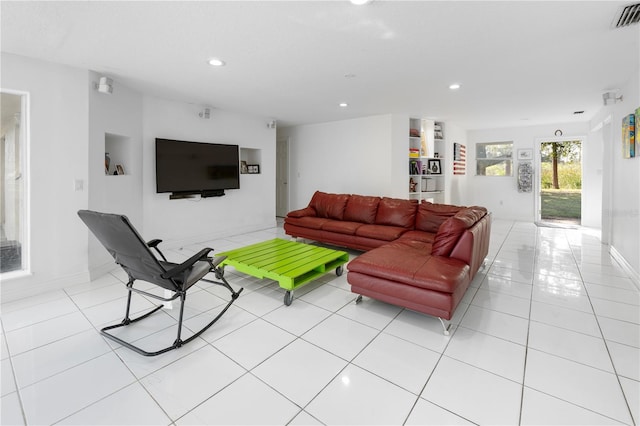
x: 426, y: 163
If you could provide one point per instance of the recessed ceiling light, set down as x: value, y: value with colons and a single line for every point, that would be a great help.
x: 216, y: 62
x: 360, y: 2
x: 343, y: 104
x: 454, y: 86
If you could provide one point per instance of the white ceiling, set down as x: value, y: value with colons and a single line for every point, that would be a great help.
x: 519, y: 63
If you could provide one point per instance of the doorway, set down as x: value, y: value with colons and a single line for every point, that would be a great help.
x: 560, y: 183
x: 282, y: 177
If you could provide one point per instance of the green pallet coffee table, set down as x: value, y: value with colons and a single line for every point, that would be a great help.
x: 290, y: 263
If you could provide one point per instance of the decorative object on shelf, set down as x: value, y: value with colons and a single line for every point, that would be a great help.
x: 459, y: 159
x: 434, y: 166
x: 107, y: 163
x: 412, y: 185
x: 525, y: 154
x: 243, y: 167
x: 414, y: 152
x: 414, y: 133
x: 428, y: 184
x: 253, y: 169
x: 119, y: 169
x: 629, y: 136
x: 436, y: 155
x: 525, y: 176
x: 413, y: 167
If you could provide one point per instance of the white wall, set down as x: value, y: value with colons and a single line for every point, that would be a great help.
x: 500, y: 194
x: 249, y: 208
x: 119, y: 113
x: 622, y: 195
x: 351, y: 156
x: 456, y: 186
x: 58, y: 123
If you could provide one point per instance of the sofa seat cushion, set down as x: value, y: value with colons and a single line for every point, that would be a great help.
x: 308, y: 221
x: 409, y: 262
x: 341, y: 227
x: 380, y: 232
x: 361, y: 208
x: 425, y: 237
x: 396, y: 212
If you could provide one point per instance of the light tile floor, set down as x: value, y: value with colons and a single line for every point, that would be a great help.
x: 548, y: 333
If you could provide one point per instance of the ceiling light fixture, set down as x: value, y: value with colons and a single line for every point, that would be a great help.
x: 343, y: 104
x: 215, y: 62
x: 454, y: 86
x: 360, y: 2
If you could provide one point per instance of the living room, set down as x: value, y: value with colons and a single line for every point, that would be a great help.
x: 68, y: 119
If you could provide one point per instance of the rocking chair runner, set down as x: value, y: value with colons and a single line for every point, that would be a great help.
x: 129, y: 250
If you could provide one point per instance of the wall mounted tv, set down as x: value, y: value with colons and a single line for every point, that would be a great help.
x: 188, y: 168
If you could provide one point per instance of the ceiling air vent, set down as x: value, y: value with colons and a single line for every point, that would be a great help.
x: 629, y: 15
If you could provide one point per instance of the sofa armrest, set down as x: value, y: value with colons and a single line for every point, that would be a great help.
x: 473, y: 245
x: 307, y: 211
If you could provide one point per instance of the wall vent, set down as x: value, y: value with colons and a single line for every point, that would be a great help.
x: 628, y: 15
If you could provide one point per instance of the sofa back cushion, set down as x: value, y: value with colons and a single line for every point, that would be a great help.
x: 329, y: 205
x: 451, y: 230
x: 396, y: 212
x: 430, y: 216
x: 361, y: 209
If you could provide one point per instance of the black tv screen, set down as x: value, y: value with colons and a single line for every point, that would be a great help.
x: 196, y: 167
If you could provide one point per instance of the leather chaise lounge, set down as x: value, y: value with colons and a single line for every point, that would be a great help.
x: 418, y: 256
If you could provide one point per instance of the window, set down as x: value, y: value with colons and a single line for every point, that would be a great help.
x: 13, y: 224
x: 494, y: 159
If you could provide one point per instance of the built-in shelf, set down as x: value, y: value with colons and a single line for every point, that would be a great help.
x: 117, y: 152
x: 250, y: 161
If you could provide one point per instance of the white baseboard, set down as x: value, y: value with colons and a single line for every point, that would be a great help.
x: 16, y: 290
x: 176, y: 244
x: 633, y: 274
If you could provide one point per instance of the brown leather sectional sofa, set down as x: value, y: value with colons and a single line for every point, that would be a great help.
x: 419, y: 256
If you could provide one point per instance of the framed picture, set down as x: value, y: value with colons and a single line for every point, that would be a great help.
x: 243, y: 167
x: 525, y: 154
x: 119, y: 169
x: 433, y: 165
x: 253, y: 168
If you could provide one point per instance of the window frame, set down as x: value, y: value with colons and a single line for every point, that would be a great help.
x: 508, y: 160
x: 25, y: 177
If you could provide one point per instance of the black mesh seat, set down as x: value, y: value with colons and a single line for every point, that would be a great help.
x: 134, y: 255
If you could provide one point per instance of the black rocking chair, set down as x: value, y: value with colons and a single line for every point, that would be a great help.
x: 134, y: 255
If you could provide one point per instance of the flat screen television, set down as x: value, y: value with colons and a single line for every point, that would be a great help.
x: 187, y: 168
